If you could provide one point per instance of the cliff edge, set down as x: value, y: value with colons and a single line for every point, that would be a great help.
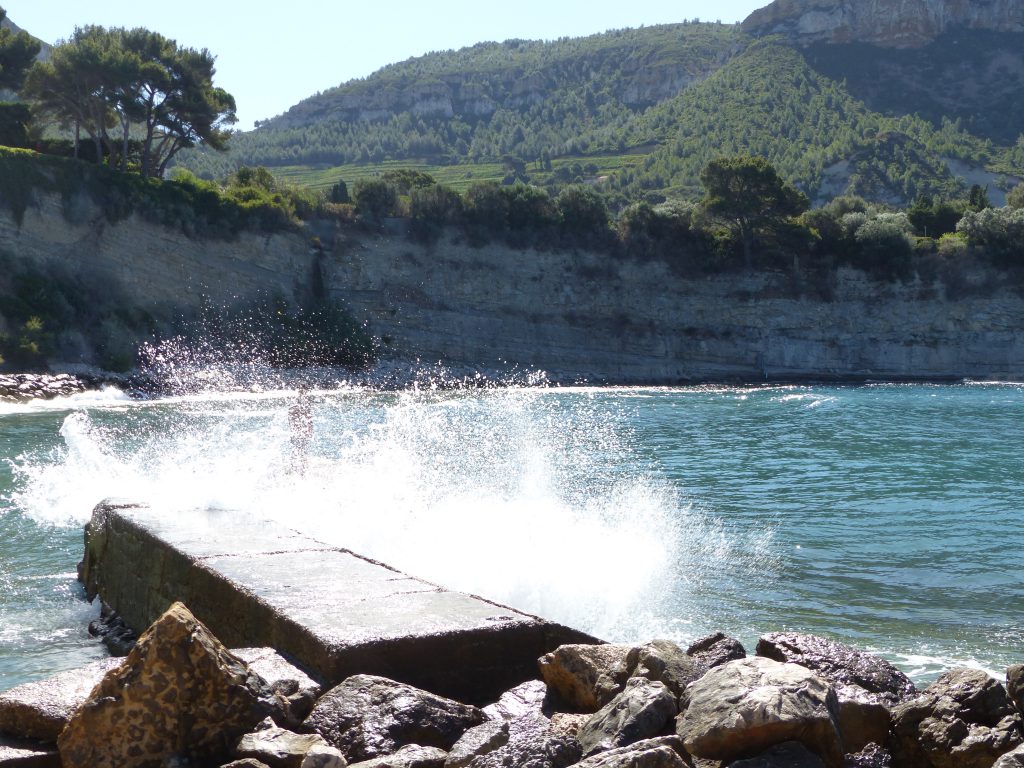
x: 885, y: 23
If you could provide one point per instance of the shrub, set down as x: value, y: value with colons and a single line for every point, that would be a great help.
x: 884, y: 247
x: 999, y: 231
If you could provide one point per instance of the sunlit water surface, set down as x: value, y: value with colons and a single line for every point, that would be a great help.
x: 889, y: 517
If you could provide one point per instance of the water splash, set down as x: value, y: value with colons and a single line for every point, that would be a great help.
x: 533, y: 497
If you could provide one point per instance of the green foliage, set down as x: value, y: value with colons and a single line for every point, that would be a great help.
x: 431, y: 209
x: 884, y: 246
x: 583, y: 217
x: 999, y: 231
x: 1015, y: 198
x: 17, y: 52
x: 338, y: 193
x: 375, y: 199
x: 934, y: 218
x: 14, y: 122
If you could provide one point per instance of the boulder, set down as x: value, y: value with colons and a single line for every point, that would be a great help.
x: 837, y: 663
x: 180, y: 692
x: 531, y: 696
x: 663, y: 752
x: 21, y: 754
x: 965, y: 719
x: 368, y: 716
x: 864, y: 718
x: 573, y: 672
x: 1013, y: 759
x: 641, y: 711
x: 744, y: 707
x: 569, y: 723
x: 715, y: 650
x: 872, y: 756
x: 792, y: 754
x: 477, y: 741
x: 41, y: 710
x: 279, y: 748
x: 409, y: 756
x: 660, y: 660
x: 294, y: 691
x: 1015, y: 686
x: 532, y: 743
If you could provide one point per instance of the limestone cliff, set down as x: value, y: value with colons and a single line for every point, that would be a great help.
x: 575, y: 315
x: 886, y: 23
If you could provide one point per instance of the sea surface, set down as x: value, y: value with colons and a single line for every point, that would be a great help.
x: 890, y: 517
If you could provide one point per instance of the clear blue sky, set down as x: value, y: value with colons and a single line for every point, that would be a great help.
x: 272, y: 55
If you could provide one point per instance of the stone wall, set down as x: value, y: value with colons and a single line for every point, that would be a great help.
x: 575, y: 315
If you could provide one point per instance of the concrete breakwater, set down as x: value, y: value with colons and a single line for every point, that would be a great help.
x: 555, y: 697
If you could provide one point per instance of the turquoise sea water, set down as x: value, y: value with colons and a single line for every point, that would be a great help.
x: 890, y: 517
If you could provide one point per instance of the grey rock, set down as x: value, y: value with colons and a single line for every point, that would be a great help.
x: 715, y: 650
x: 368, y: 716
x: 872, y: 756
x: 747, y: 706
x: 1013, y: 759
x: 477, y: 741
x: 792, y: 754
x: 323, y: 756
x: 409, y: 756
x: 15, y: 753
x: 532, y: 743
x: 837, y: 663
x: 531, y: 696
x: 245, y: 763
x: 41, y: 710
x: 660, y: 660
x: 663, y: 752
x: 965, y: 719
x: 641, y: 711
x: 278, y: 747
x: 295, y: 692
x: 864, y: 718
x: 573, y: 672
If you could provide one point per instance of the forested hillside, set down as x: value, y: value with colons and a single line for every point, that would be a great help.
x: 646, y: 109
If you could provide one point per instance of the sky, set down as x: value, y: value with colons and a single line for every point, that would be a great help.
x: 270, y: 56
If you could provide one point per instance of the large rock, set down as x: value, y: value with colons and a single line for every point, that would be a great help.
x: 715, y: 650
x: 532, y: 743
x: 641, y: 711
x: 295, y: 692
x: 279, y: 748
x: 792, y: 754
x: 478, y: 741
x: 744, y: 707
x: 663, y: 752
x: 839, y: 664
x: 409, y: 756
x: 574, y: 672
x: 864, y: 718
x: 178, y: 693
x: 1013, y: 759
x: 963, y: 720
x: 368, y: 716
x: 660, y: 660
x: 41, y: 710
x: 531, y: 696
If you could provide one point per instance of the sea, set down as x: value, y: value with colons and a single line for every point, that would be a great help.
x: 889, y: 517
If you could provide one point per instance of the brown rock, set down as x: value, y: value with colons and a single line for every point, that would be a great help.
x: 659, y: 660
x: 1015, y: 686
x: 368, y: 717
x: 838, y: 663
x: 573, y: 672
x: 569, y: 723
x: 41, y: 710
x: 963, y: 720
x: 178, y: 693
x: 664, y: 752
x: 744, y: 707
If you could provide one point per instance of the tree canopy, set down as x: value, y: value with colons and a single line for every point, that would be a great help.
x: 139, y: 82
x: 17, y: 52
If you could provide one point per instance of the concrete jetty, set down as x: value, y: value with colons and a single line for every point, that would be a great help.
x: 335, y: 612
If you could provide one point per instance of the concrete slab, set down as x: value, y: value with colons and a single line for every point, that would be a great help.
x: 332, y: 610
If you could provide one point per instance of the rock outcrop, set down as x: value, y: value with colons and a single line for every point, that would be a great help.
x: 887, y: 23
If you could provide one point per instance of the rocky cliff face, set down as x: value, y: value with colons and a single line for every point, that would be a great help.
x: 887, y: 23
x: 575, y: 315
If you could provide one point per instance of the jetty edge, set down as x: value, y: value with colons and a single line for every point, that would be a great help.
x: 335, y: 612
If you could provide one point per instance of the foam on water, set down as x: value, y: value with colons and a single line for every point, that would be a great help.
x: 511, y: 494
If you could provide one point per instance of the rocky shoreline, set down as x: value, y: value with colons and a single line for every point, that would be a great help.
x: 180, y: 698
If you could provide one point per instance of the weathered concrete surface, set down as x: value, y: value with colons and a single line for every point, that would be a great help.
x: 336, y: 612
